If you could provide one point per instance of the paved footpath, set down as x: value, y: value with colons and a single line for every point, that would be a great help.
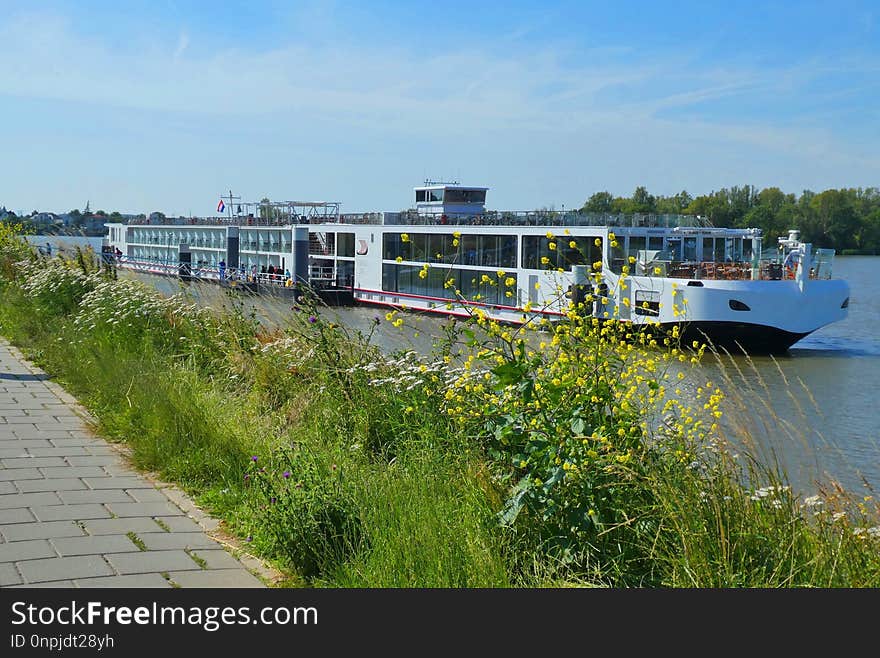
x: 74, y: 514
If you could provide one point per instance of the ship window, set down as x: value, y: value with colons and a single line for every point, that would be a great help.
x: 737, y: 305
x: 421, y: 196
x: 537, y: 255
x: 647, y: 302
x: 465, y: 196
x: 393, y: 247
x: 345, y: 244
x: 435, y: 195
x: 636, y: 244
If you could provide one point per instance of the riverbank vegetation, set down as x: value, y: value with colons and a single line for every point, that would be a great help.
x: 567, y: 455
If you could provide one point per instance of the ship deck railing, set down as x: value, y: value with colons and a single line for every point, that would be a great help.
x: 420, y: 218
x: 764, y: 270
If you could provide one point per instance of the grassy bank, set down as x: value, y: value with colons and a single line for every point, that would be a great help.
x: 508, y: 457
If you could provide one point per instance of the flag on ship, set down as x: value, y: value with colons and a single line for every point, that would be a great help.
x: 221, y: 206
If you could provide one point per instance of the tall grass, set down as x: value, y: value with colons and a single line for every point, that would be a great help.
x: 564, y: 456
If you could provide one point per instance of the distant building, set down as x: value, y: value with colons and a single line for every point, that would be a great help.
x: 46, y: 220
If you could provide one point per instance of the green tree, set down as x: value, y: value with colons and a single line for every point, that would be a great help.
x: 642, y: 202
x: 599, y: 202
x: 836, y: 220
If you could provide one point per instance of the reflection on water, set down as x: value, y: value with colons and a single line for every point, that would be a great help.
x: 811, y: 410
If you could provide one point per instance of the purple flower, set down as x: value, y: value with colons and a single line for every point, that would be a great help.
x: 247, y: 476
x: 286, y: 474
x: 254, y: 458
x: 273, y: 499
x: 313, y: 319
x: 249, y: 538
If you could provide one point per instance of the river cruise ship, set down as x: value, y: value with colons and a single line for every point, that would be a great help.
x: 448, y: 254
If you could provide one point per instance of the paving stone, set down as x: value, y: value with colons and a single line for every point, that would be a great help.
x: 7, y: 474
x: 141, y: 580
x: 93, y: 496
x: 65, y: 451
x: 72, y: 512
x: 148, y: 495
x: 102, y: 449
x: 58, y: 568
x: 56, y: 484
x: 25, y: 444
x: 108, y: 482
x: 16, y: 515
x: 180, y: 523
x: 161, y: 541
x: 33, y: 462
x: 9, y: 575
x: 216, y: 578
x: 120, y: 469
x: 34, y: 549
x: 120, y: 526
x: 52, y: 584
x: 8, y: 501
x: 97, y: 545
x: 83, y: 441
x: 72, y: 472
x: 151, y: 561
x: 94, y: 460
x: 144, y: 509
x: 13, y: 451
x: 31, y: 432
x: 216, y: 558
x: 45, y: 530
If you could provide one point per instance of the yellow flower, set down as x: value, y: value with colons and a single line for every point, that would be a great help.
x: 549, y: 235
x: 423, y: 274
x: 632, y: 260
x: 404, y: 237
x: 551, y: 246
x: 399, y: 259
x: 510, y: 281
x: 457, y: 234
x: 614, y: 243
x: 572, y: 245
x: 545, y: 260
x: 455, y: 243
x: 658, y: 271
x: 598, y: 242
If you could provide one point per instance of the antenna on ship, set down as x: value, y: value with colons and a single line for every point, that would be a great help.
x: 231, y: 199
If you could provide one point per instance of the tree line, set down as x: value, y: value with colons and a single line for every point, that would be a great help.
x: 847, y: 220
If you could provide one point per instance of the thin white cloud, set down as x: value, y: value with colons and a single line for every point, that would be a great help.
x: 182, y: 43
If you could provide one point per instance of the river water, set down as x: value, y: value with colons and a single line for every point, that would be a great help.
x: 813, y: 411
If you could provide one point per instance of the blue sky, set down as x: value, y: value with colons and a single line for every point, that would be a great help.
x: 140, y: 106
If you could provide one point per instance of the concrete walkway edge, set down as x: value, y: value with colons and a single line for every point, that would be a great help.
x: 75, y: 513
